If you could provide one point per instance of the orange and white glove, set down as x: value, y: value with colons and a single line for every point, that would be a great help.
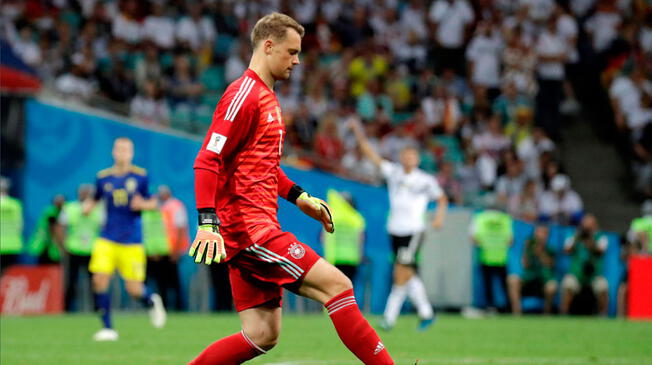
x: 316, y: 209
x: 208, y: 245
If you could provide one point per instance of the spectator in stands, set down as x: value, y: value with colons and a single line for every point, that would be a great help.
x: 537, y: 277
x: 628, y: 94
x: 560, y: 204
x: 149, y: 66
x: 26, y: 47
x: 11, y: 219
x: 79, y: 232
x: 491, y: 231
x: 373, y: 98
x: 125, y: 25
x: 237, y: 62
x: 328, y: 146
x: 483, y: 58
x: 586, y: 248
x: 185, y: 89
x: 118, y: 82
x: 519, y: 60
x: 356, y: 166
x: 520, y: 128
x: 552, y: 53
x: 470, y: 179
x: 442, y: 110
x: 158, y: 27
x: 449, y: 183
x: 196, y: 31
x: 74, y: 84
x: 530, y: 150
x: 511, y: 184
x: 451, y: 19
x: 602, y: 26
x: 149, y: 106
x: 509, y: 102
x: 525, y: 205
x: 643, y: 166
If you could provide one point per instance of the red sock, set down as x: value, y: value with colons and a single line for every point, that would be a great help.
x: 232, y: 350
x: 355, y: 331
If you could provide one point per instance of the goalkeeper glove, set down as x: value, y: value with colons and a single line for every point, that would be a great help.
x: 208, y: 241
x: 317, y: 209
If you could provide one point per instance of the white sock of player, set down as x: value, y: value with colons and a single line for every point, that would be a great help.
x: 417, y: 293
x: 394, y: 303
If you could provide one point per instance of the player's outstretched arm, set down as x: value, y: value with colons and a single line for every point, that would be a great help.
x: 366, y: 148
x: 440, y: 213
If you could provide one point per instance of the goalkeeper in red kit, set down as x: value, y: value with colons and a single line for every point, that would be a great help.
x: 238, y: 179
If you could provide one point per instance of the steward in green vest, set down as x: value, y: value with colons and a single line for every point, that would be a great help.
x: 344, y: 247
x: 492, y: 232
x: 80, y: 232
x: 155, y: 236
x: 44, y: 242
x: 11, y: 226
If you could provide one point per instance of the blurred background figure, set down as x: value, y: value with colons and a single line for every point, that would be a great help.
x: 491, y: 231
x: 537, y: 277
x: 586, y: 248
x: 165, y: 235
x: 345, y: 247
x: 46, y: 244
x: 11, y: 226
x: 640, y: 230
x: 79, y: 232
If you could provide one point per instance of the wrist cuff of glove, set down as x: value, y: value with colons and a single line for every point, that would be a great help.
x: 294, y: 193
x: 208, y: 217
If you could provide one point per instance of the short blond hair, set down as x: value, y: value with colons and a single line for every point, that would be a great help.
x: 274, y: 25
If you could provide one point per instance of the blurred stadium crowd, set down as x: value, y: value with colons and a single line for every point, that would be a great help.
x: 482, y: 87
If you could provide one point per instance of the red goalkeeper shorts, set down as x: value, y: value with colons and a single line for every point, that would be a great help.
x: 259, y: 272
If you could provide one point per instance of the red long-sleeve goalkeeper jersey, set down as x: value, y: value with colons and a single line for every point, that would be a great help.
x: 237, y: 170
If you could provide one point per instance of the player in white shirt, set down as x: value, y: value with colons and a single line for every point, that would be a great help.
x: 410, y: 190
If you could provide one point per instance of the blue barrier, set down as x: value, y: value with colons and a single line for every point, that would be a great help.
x: 65, y: 148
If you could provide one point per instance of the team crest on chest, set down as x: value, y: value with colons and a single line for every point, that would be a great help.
x: 131, y: 184
x: 296, y: 250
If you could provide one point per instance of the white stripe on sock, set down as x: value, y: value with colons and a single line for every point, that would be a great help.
x: 343, y: 304
x: 252, y: 344
x: 342, y: 307
x: 339, y: 301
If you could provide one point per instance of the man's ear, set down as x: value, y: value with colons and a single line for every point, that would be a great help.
x: 267, y: 46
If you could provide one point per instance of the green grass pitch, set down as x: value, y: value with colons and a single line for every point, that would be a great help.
x: 310, y: 339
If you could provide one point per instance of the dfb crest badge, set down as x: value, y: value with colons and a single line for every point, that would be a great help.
x: 296, y: 250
